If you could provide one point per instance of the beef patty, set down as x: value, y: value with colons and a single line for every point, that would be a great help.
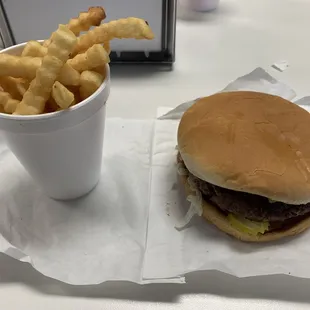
x: 250, y: 206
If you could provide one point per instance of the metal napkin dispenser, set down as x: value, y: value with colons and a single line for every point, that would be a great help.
x: 19, y: 24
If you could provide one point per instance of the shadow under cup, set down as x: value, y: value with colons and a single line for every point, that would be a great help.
x: 62, y: 151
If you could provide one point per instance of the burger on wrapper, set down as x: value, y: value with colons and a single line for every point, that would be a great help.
x: 248, y: 154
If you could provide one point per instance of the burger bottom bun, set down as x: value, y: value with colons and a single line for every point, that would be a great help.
x: 217, y: 218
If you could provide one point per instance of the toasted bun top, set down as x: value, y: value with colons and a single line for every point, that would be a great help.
x: 250, y: 142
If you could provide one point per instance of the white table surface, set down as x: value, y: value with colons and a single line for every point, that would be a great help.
x: 212, y: 49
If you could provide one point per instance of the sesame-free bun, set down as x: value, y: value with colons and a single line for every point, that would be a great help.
x: 250, y: 142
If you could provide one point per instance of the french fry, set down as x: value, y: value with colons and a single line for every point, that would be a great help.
x: 62, y: 96
x: 92, y: 58
x: 17, y: 66
x: 16, y: 87
x: 21, y: 86
x: 107, y: 46
x: 102, y: 70
x: 93, y: 17
x: 34, y: 49
x: 90, y: 82
x: 124, y: 28
x: 26, y: 67
x: 40, y: 88
x: 68, y: 76
x: 7, y: 103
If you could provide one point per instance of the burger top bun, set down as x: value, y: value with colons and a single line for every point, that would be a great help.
x: 250, y: 142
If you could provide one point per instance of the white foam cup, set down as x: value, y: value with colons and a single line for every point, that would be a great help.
x: 62, y: 151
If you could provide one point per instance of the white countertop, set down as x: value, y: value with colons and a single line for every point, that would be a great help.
x: 212, y: 49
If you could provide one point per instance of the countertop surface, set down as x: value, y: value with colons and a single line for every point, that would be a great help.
x: 212, y: 49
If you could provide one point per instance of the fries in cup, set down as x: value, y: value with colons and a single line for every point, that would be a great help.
x: 7, y: 103
x: 95, y: 56
x: 84, y: 21
x: 34, y: 49
x: 19, y: 67
x: 15, y: 87
x: 67, y: 68
x: 125, y: 28
x: 102, y: 70
x: 90, y: 82
x: 63, y: 97
x: 26, y: 68
x: 40, y: 88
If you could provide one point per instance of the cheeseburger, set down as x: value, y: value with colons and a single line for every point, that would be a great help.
x: 248, y: 154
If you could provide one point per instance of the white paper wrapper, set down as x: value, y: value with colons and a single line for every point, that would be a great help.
x: 201, y: 246
x: 90, y: 240
x: 103, y: 235
x: 257, y: 80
